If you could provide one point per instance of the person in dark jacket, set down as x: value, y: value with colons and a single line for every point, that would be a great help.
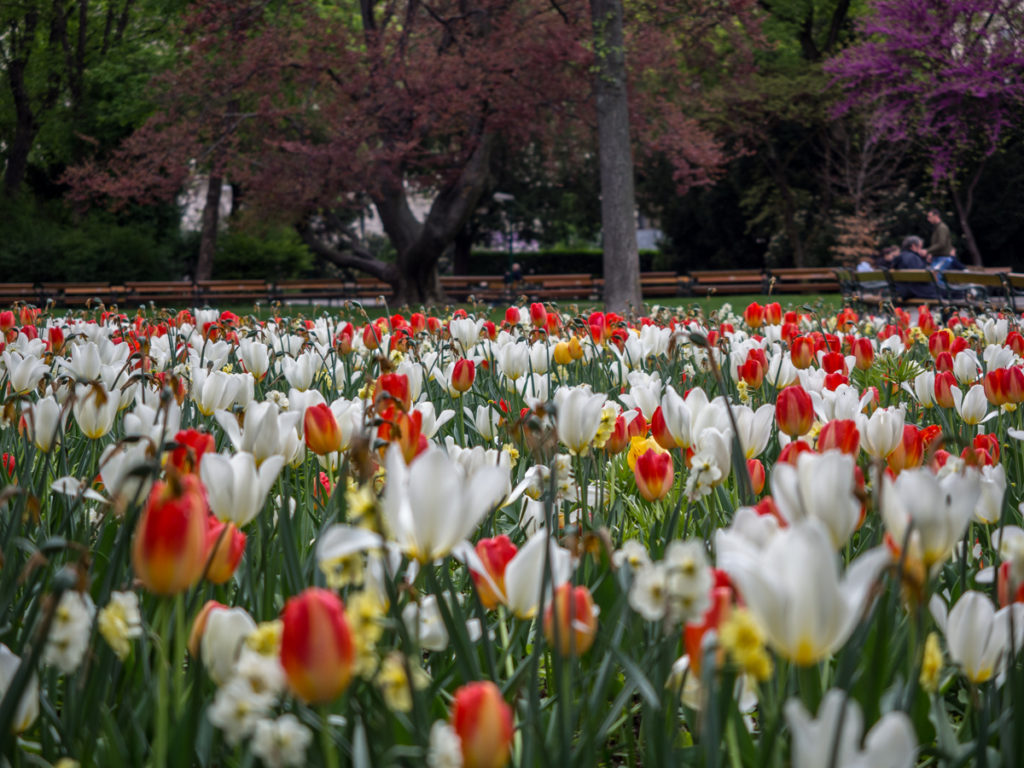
x: 913, y: 255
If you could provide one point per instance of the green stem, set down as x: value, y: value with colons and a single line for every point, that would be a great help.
x: 326, y: 742
x: 161, y: 728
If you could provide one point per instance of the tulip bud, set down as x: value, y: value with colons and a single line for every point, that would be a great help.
x: 794, y: 411
x: 840, y: 434
x: 619, y: 438
x: 576, y: 620
x: 659, y: 430
x: 323, y: 436
x: 538, y: 315
x: 169, y: 548
x: 7, y: 321
x: 483, y: 722
x: 512, y: 316
x: 190, y: 445
x: 801, y: 352
x: 463, y: 373
x: 225, y: 547
x: 945, y: 383
x: 494, y: 553
x: 752, y: 373
x: 317, y: 652
x: 561, y: 354
x: 757, y: 477
x: 654, y: 474
x: 773, y: 313
x: 864, y: 353
x: 393, y: 387
x: 753, y: 315
x: 909, y: 452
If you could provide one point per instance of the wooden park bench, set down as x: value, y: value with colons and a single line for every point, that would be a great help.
x: 706, y: 282
x: 15, y: 293
x: 67, y: 294
x: 482, y: 287
x: 578, y: 286
x: 312, y: 290
x: 215, y: 292
x: 161, y: 292
x: 978, y: 288
x: 663, y: 284
x: 802, y: 280
x: 902, y: 277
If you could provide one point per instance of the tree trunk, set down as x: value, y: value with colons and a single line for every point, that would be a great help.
x: 618, y: 198
x: 25, y: 129
x: 462, y: 251
x: 963, y: 213
x: 211, y: 222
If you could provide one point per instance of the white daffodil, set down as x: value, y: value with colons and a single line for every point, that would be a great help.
x: 821, y: 486
x: 833, y: 737
x: 69, y: 633
x: 793, y: 588
x: 939, y: 510
x: 578, y: 417
x: 281, y: 743
x: 235, y: 488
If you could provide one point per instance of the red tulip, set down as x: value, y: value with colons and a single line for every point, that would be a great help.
x: 463, y: 373
x: 794, y: 411
x: 840, y: 434
x: 654, y: 474
x: 317, y: 652
x: 323, y: 436
x: 571, y: 611
x: 225, y: 545
x: 169, y: 548
x: 483, y: 722
x: 494, y: 554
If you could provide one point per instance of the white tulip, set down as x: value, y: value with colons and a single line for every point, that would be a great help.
x: 832, y: 739
x: 965, y: 366
x: 578, y: 417
x: 45, y: 421
x: 978, y: 636
x: 23, y: 373
x: 754, y: 428
x: 432, y: 505
x: 95, y: 409
x: 525, y: 588
x: 793, y: 588
x: 993, y: 489
x: 223, y: 638
x: 255, y: 356
x: 264, y: 431
x: 28, y: 706
x: 820, y: 486
x: 235, y: 489
x: 938, y: 508
x: 972, y: 406
x: 882, y: 432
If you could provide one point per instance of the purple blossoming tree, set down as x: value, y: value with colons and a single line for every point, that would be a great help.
x: 947, y: 75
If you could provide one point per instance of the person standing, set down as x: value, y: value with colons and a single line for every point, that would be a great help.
x: 941, y: 244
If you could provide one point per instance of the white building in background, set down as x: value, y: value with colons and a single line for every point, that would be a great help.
x: 192, y: 201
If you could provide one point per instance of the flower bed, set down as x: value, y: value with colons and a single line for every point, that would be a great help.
x: 761, y: 540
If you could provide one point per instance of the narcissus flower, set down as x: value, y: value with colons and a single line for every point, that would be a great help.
x: 317, y: 652
x: 483, y: 722
x: 169, y: 548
